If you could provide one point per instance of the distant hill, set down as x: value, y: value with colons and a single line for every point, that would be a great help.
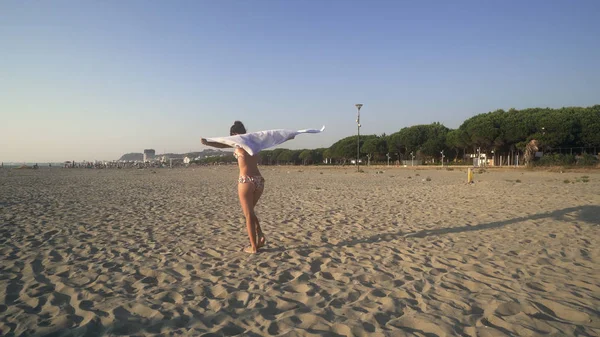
x: 132, y: 157
x: 192, y: 155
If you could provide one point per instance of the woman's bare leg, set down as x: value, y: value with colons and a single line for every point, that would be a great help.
x: 246, y: 194
x: 260, y: 236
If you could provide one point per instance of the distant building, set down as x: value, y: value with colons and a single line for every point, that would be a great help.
x: 149, y: 154
x: 482, y: 160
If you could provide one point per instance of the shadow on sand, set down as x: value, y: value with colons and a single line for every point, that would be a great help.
x: 588, y: 213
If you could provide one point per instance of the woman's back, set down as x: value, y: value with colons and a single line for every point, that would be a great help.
x: 248, y: 164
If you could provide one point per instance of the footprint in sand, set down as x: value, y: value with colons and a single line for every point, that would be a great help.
x: 540, y: 287
x: 325, y: 275
x: 298, y: 288
x: 273, y: 329
x: 376, y: 293
x: 239, y: 299
x: 170, y: 297
x: 285, y: 277
x: 561, y: 311
x: 509, y: 309
x: 438, y: 271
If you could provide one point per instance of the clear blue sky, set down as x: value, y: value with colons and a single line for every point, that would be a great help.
x: 89, y: 80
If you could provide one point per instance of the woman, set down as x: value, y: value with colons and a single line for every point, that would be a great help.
x: 250, y: 187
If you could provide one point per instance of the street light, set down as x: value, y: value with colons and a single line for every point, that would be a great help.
x: 358, y: 106
x: 442, y: 158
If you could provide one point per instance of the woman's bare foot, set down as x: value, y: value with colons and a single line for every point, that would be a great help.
x: 250, y: 250
x: 261, y: 242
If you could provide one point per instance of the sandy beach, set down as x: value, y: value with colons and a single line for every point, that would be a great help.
x: 387, y: 252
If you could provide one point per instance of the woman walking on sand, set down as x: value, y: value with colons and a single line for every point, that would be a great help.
x: 250, y: 187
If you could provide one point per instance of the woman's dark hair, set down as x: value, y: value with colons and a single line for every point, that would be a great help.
x: 237, y: 128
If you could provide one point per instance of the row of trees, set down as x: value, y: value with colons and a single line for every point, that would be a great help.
x: 296, y: 157
x: 511, y: 130
x: 501, y: 132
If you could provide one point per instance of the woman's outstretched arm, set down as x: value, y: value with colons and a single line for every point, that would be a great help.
x: 214, y: 144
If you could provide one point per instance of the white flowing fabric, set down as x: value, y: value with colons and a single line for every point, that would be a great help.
x: 256, y: 141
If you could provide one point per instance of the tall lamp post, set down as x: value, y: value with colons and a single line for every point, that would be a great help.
x: 358, y: 106
x: 442, y: 157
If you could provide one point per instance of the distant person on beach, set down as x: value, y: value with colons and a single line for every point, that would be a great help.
x: 250, y: 187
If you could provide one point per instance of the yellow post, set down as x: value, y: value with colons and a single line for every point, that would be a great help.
x: 469, y: 176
